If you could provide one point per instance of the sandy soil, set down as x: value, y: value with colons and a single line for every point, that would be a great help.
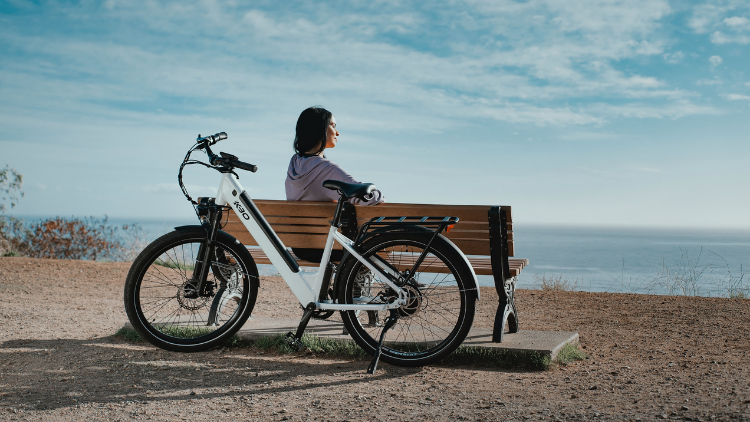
x: 650, y: 357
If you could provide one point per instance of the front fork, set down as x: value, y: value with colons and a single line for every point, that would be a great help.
x: 211, y: 220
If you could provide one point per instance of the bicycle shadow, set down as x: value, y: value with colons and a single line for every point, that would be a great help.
x: 50, y: 374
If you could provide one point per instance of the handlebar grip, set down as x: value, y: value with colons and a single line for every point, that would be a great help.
x: 218, y: 137
x: 242, y: 165
x: 212, y: 139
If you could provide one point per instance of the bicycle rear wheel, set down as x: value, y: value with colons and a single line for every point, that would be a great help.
x: 441, y: 305
x: 162, y: 304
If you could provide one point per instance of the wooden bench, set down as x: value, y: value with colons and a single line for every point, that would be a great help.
x: 483, y: 233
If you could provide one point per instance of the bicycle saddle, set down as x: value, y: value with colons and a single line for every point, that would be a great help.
x: 350, y: 190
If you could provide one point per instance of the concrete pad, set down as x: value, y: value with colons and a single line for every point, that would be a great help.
x: 545, y: 342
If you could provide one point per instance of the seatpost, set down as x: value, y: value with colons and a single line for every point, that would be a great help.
x: 339, y: 209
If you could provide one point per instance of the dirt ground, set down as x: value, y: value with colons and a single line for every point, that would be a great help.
x: 650, y: 357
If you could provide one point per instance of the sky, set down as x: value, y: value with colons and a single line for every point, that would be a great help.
x: 612, y: 113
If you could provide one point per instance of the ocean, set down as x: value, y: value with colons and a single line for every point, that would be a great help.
x: 704, y: 262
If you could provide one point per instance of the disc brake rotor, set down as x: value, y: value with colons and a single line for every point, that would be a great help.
x: 190, y: 303
x: 413, y: 302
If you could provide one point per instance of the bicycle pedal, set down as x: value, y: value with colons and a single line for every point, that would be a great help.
x: 293, y: 342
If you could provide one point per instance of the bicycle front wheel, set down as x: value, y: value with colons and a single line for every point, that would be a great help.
x: 165, y: 308
x: 441, y: 305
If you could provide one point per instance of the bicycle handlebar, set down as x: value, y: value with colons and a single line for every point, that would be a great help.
x: 225, y: 163
x: 226, y: 160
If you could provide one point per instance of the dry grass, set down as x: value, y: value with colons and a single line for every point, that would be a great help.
x: 555, y: 282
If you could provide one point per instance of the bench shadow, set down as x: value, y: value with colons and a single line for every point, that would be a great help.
x: 50, y: 374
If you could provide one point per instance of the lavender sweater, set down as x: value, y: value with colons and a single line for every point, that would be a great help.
x: 305, y: 176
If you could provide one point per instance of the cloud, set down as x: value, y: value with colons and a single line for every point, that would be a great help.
x: 675, y: 57
x: 650, y: 111
x: 541, y: 62
x: 721, y: 19
x: 721, y: 38
x: 737, y: 21
x: 621, y: 172
x: 588, y: 136
x: 715, y: 60
x: 715, y: 81
x: 649, y: 170
x: 738, y: 97
x: 705, y: 16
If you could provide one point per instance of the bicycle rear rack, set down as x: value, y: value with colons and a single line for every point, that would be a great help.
x: 419, y: 221
x: 439, y: 223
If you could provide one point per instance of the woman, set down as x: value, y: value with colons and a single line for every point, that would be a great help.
x: 309, y: 167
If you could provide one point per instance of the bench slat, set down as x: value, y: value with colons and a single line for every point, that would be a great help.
x: 471, y: 217
x: 466, y: 212
x: 285, y: 208
x: 481, y: 265
x: 305, y: 224
x: 471, y: 234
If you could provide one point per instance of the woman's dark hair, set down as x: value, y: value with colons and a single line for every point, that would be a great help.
x: 312, y: 131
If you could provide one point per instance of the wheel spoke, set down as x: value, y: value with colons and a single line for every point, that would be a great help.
x: 160, y: 302
x: 438, y: 312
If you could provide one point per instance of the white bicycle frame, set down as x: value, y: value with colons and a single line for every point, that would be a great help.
x: 305, y: 286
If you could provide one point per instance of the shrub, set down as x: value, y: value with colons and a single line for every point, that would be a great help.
x: 691, y: 277
x: 10, y: 187
x: 133, y: 239
x: 63, y: 238
x: 10, y: 192
x: 89, y: 239
x: 554, y: 282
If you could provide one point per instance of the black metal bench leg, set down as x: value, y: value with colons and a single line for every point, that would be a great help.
x: 506, y: 313
x: 499, y: 328
x: 504, y: 283
x: 512, y: 311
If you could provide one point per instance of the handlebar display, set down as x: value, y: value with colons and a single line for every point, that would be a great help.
x: 227, y: 162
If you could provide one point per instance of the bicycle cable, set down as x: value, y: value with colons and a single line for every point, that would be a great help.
x: 186, y: 162
x: 227, y: 164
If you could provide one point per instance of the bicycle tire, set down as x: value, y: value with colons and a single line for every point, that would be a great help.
x: 439, y: 315
x: 155, y: 299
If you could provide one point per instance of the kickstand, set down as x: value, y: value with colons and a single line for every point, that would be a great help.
x: 294, y: 340
x: 389, y: 323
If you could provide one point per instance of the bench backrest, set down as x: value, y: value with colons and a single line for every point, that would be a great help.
x: 305, y: 224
